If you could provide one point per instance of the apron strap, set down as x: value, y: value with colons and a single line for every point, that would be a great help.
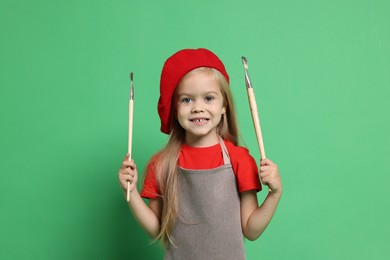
x: 225, y: 153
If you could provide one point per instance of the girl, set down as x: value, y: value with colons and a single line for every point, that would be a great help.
x: 201, y: 186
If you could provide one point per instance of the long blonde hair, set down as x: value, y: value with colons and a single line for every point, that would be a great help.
x: 166, y: 165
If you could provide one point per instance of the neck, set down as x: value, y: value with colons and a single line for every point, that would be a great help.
x: 195, y: 141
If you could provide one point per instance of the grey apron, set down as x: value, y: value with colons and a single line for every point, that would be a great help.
x: 208, y: 225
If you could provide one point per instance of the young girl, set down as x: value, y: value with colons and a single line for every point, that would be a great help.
x: 201, y: 186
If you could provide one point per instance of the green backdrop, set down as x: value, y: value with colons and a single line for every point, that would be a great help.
x: 321, y: 72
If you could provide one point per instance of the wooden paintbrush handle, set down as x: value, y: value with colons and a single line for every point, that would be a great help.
x: 130, y: 141
x: 256, y: 121
x: 130, y: 136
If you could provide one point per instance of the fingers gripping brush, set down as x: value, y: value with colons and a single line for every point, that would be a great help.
x: 130, y: 133
x: 253, y: 107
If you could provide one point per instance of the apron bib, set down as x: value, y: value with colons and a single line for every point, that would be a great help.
x: 208, y: 225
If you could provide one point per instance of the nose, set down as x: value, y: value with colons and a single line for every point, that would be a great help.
x: 197, y: 107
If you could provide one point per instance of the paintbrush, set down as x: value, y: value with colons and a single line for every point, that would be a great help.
x: 253, y: 107
x: 130, y: 133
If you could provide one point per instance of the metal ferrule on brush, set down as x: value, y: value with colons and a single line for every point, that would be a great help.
x: 131, y: 97
x: 247, y: 79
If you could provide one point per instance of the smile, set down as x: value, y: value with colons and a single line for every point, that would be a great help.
x: 199, y: 120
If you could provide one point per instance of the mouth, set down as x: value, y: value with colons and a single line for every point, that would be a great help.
x: 199, y: 121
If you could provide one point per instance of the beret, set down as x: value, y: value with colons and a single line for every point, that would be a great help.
x: 175, y: 68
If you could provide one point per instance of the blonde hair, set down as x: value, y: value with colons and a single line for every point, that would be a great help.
x: 166, y: 165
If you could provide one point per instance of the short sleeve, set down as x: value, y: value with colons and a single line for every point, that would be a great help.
x: 245, y: 168
x: 150, y: 188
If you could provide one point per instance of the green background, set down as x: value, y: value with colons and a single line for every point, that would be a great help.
x: 321, y: 72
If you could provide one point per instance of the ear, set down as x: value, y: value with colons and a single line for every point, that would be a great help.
x: 223, y: 110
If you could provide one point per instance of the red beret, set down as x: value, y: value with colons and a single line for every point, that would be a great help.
x: 175, y: 68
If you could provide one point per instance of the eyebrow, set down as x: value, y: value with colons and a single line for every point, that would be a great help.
x: 207, y: 93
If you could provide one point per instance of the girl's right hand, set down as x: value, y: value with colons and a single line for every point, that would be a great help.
x: 128, y: 172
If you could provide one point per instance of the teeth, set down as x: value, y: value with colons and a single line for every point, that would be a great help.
x: 199, y: 120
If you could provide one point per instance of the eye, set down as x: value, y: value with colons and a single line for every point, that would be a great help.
x: 209, y: 98
x: 185, y: 100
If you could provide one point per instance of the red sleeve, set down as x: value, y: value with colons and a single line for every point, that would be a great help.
x: 244, y: 167
x: 150, y: 189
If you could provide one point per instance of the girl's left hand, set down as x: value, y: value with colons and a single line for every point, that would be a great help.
x: 269, y: 175
x: 128, y: 173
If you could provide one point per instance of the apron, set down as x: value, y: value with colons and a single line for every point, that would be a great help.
x: 208, y: 225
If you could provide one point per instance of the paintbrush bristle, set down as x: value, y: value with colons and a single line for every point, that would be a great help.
x: 245, y: 62
x: 131, y: 76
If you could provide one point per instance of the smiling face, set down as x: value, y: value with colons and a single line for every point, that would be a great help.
x: 199, y: 108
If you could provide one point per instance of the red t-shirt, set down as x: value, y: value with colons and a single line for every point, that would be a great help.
x: 194, y: 158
